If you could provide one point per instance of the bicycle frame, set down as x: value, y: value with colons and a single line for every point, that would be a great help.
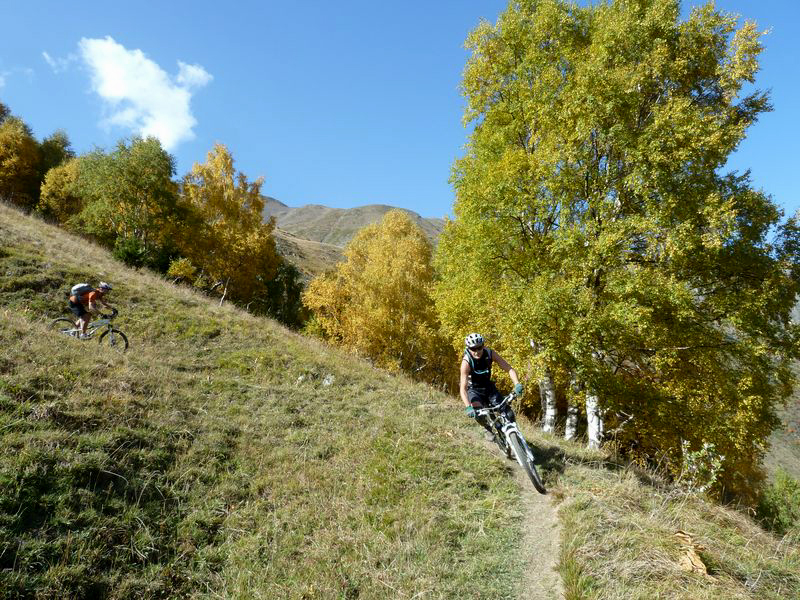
x: 96, y: 325
x: 495, y: 415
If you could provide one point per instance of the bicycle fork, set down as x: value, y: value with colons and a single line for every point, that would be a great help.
x: 510, y: 428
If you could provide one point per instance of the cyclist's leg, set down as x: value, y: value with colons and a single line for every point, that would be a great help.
x: 78, y: 310
x: 495, y: 397
x: 478, y: 400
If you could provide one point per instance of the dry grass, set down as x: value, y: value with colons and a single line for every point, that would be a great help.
x: 620, y: 543
x: 225, y: 456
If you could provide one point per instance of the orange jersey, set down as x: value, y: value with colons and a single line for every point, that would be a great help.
x: 91, y: 297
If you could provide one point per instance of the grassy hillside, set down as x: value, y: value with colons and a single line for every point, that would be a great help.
x: 224, y: 456
x: 628, y: 535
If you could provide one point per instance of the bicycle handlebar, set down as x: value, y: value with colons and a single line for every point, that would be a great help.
x: 494, y: 407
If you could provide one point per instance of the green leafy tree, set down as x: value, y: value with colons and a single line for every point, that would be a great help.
x: 54, y: 151
x: 4, y: 112
x: 19, y: 163
x: 605, y: 245
x: 378, y: 303
x: 130, y: 201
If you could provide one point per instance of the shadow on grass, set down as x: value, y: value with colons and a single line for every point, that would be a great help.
x: 553, y: 460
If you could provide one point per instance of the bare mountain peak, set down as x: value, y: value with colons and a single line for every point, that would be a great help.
x: 337, y: 226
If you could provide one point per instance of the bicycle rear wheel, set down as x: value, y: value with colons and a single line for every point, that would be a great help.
x: 114, y: 339
x: 65, y: 326
x: 526, y: 461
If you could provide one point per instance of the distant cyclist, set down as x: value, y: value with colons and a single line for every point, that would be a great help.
x: 477, y: 388
x: 83, y: 302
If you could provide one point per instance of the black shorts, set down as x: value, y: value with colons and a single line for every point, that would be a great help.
x: 483, y: 397
x: 77, y: 309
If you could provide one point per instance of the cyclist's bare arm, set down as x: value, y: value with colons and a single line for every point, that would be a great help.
x: 463, y: 384
x: 94, y: 308
x: 501, y: 362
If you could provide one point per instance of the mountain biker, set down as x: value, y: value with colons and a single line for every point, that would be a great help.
x: 477, y: 388
x: 85, y: 304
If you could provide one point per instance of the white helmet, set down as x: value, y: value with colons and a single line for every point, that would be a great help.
x: 105, y: 286
x: 474, y: 340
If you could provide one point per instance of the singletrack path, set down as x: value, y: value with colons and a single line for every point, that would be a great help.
x: 541, y: 542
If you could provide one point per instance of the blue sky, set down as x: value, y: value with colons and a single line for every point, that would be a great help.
x: 336, y: 103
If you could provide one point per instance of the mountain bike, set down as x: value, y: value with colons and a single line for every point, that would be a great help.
x: 511, y: 440
x: 108, y: 336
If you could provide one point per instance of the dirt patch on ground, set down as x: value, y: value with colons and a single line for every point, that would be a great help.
x: 541, y: 544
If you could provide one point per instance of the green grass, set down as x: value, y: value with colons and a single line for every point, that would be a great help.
x: 619, y: 525
x: 225, y: 456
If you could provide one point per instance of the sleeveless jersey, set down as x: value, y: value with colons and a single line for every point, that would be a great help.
x: 480, y: 370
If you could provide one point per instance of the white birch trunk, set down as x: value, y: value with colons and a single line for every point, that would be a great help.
x: 550, y: 411
x: 571, y: 429
x: 595, y: 425
x: 542, y: 398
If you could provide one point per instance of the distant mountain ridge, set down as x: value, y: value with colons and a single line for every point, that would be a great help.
x: 337, y: 226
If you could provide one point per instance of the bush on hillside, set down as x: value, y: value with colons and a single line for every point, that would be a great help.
x: 779, y: 506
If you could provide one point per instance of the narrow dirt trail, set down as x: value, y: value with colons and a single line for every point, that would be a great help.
x: 541, y: 544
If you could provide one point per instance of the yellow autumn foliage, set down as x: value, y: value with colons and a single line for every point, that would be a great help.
x: 378, y: 302
x: 226, y: 239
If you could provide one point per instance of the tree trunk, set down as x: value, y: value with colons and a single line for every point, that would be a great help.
x: 548, y: 390
x: 595, y: 425
x: 224, y: 291
x: 571, y: 429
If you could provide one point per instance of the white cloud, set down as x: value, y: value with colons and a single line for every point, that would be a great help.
x: 140, y: 95
x: 192, y: 75
x: 59, y: 65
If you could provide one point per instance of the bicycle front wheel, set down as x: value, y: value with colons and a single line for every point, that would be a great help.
x: 114, y: 339
x: 526, y: 461
x: 63, y: 325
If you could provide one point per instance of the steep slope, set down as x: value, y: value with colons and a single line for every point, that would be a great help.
x: 224, y: 456
x: 784, y: 450
x: 311, y: 258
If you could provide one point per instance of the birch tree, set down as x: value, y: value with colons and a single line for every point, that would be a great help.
x: 593, y: 216
x: 127, y: 196
x: 225, y: 239
x: 378, y: 301
x: 19, y: 162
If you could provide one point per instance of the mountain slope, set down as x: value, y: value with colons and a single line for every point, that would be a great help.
x: 224, y: 455
x: 311, y: 258
x: 337, y: 226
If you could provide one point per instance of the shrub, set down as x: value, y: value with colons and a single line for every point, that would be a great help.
x: 779, y: 506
